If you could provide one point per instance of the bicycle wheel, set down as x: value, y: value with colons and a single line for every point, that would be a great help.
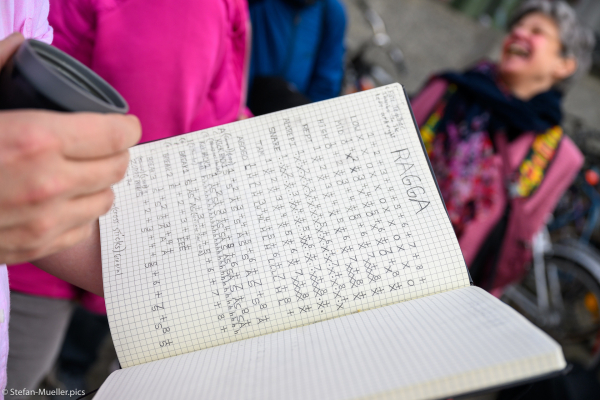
x: 573, y: 316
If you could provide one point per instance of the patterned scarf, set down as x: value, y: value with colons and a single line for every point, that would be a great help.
x: 459, y: 134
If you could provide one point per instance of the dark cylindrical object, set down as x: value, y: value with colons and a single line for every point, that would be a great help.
x: 41, y: 76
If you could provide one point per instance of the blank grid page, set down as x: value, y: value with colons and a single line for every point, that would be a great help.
x: 272, y: 223
x: 433, y: 347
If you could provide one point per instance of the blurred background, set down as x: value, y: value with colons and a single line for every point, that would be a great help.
x: 436, y: 35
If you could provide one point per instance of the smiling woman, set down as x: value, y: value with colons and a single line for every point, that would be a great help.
x: 546, y: 47
x: 532, y: 58
x: 494, y: 139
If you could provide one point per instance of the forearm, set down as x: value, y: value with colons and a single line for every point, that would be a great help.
x: 80, y: 265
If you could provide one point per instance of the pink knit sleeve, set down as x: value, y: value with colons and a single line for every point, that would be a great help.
x: 29, y: 17
x: 41, y: 29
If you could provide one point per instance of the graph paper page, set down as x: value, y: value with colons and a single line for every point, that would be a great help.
x: 272, y: 223
x: 430, y: 348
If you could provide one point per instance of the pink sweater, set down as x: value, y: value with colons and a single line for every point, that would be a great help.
x: 180, y: 65
x: 29, y: 17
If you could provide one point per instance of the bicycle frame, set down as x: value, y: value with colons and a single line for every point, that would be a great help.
x: 358, y: 67
x: 546, y: 307
x: 546, y: 284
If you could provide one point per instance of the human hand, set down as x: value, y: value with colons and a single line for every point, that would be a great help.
x: 55, y: 174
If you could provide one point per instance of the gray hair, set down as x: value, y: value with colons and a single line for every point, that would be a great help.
x: 577, y: 41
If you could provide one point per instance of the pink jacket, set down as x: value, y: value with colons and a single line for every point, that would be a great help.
x: 528, y: 215
x: 182, y: 67
x: 29, y: 17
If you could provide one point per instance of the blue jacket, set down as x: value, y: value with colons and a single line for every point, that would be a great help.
x: 305, y: 45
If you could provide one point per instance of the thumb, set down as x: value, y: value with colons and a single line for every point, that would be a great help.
x: 8, y: 46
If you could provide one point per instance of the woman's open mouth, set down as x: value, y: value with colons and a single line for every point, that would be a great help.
x: 519, y: 49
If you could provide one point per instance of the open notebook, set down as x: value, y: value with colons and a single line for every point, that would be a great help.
x: 301, y: 254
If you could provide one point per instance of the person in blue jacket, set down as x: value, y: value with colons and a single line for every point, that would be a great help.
x: 301, y: 43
